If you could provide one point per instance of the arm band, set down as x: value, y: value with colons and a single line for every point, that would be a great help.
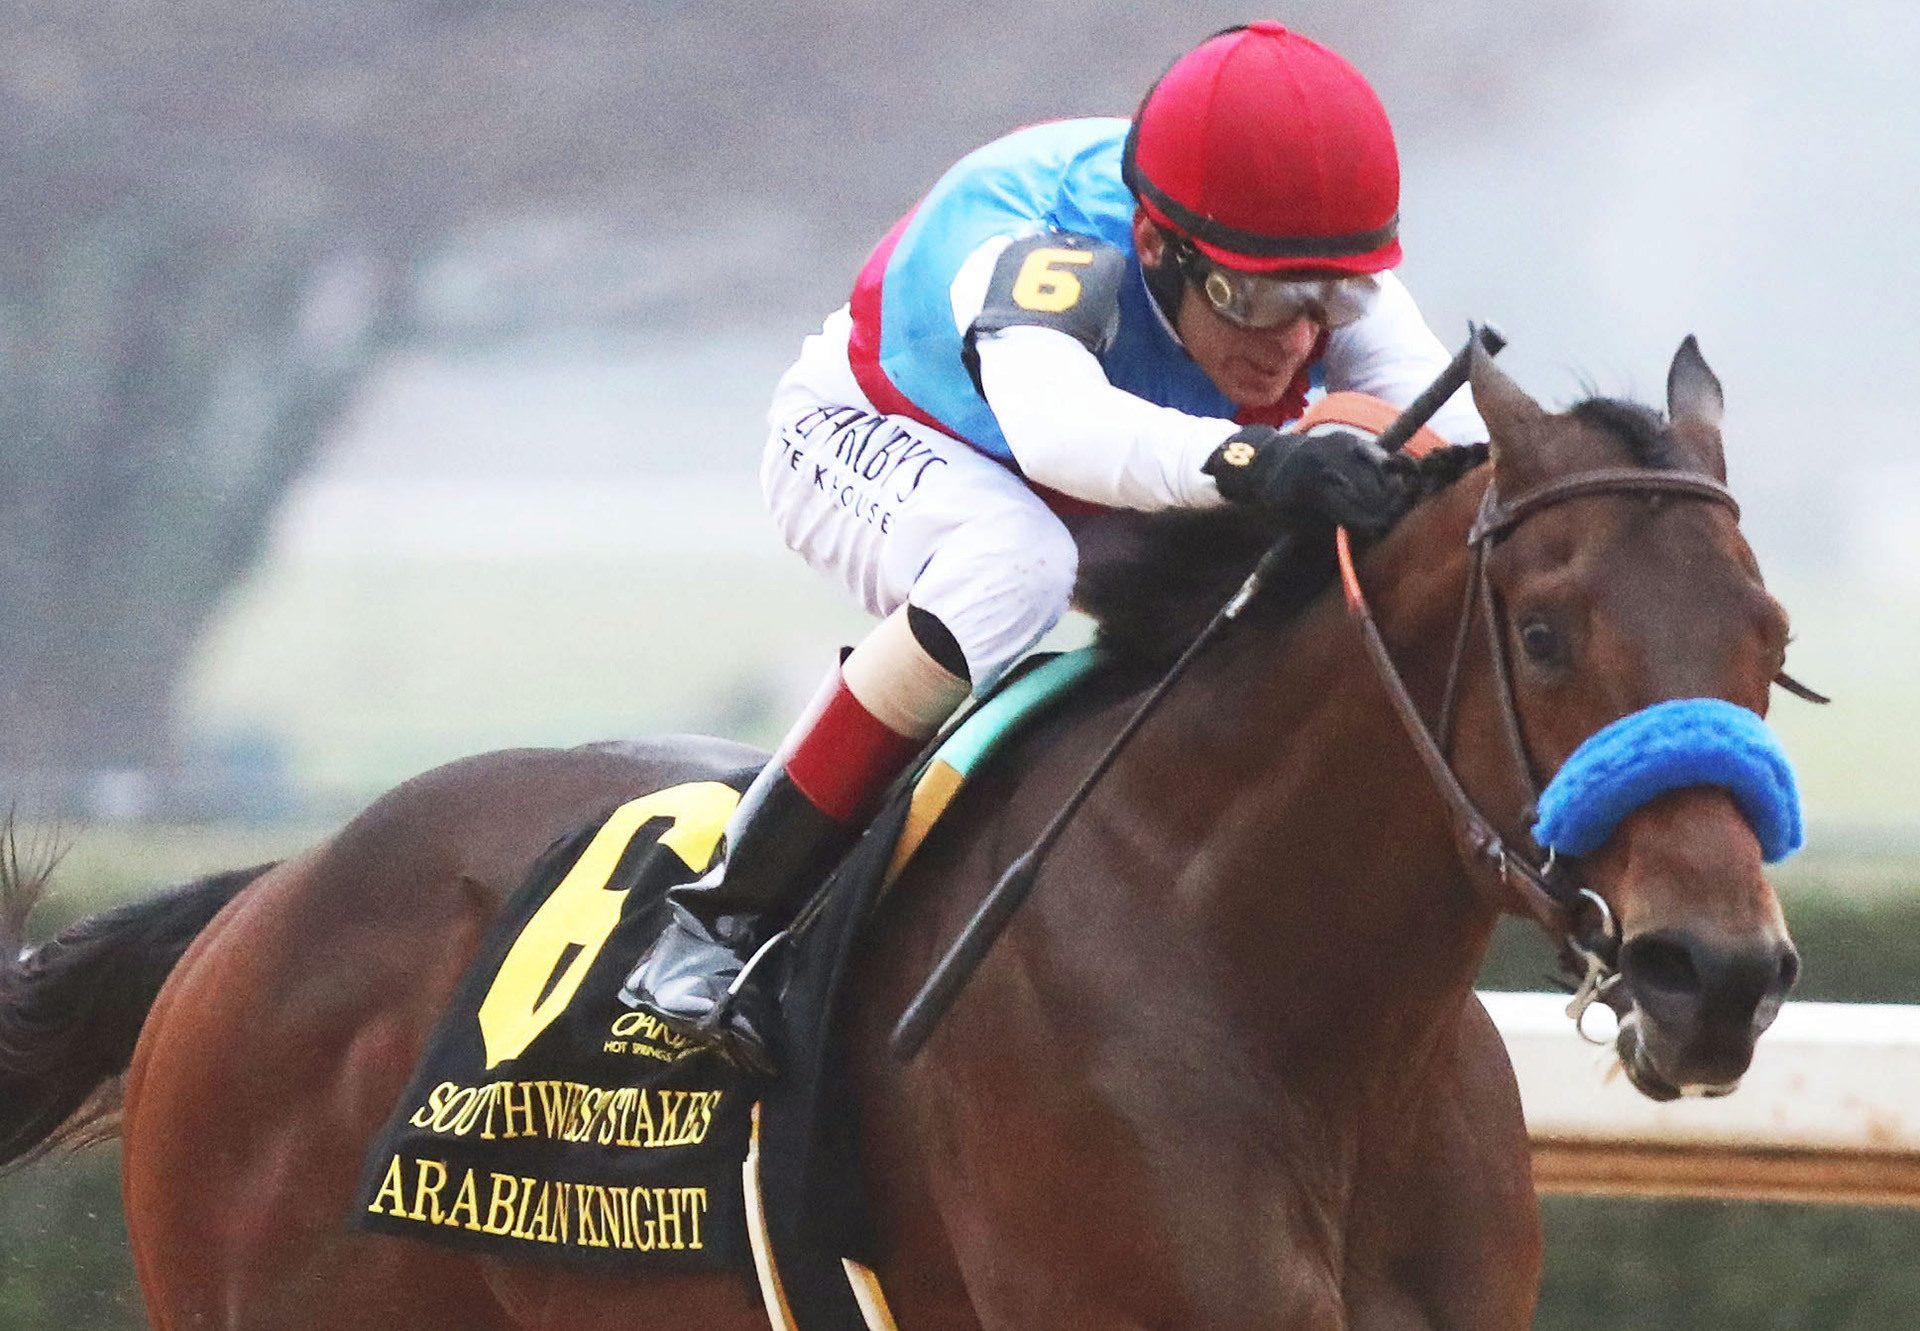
x: 1052, y: 280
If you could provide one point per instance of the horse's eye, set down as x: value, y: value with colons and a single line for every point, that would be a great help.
x: 1541, y: 643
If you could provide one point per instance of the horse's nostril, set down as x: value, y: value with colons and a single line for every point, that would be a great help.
x: 1789, y: 969
x: 1659, y: 963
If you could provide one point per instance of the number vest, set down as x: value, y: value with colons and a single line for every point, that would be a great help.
x: 1064, y: 176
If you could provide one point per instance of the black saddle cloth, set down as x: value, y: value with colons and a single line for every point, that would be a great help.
x: 548, y: 1122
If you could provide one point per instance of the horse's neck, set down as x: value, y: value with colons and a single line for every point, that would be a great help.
x: 1319, y: 854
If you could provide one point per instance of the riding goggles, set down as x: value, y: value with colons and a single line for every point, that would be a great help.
x: 1269, y: 300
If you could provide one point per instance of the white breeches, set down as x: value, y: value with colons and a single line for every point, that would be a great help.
x: 895, y: 512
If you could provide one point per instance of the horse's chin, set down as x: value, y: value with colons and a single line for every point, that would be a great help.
x: 1643, y: 1069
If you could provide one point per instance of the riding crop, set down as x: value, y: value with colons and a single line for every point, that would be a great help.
x: 996, y: 911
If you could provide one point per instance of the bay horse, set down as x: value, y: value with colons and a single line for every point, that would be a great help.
x: 1225, y: 1071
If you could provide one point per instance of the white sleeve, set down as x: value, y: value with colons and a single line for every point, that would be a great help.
x: 1069, y: 428
x: 1392, y: 354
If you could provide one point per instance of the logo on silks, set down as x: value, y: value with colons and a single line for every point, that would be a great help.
x: 864, y: 463
x: 1670, y: 746
x: 545, y: 1118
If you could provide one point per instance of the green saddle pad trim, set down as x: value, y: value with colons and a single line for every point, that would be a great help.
x: 979, y: 734
x: 993, y: 721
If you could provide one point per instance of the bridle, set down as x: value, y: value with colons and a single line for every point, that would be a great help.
x: 1508, y: 880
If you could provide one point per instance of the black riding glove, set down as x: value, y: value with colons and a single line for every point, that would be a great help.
x: 1331, y: 476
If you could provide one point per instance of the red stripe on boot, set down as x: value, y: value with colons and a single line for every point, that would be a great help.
x: 847, y: 757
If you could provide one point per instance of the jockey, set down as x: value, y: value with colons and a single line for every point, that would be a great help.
x: 1084, y: 314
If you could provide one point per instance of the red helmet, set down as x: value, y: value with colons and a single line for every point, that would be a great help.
x: 1269, y: 152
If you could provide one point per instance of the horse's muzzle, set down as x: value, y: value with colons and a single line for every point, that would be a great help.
x: 1699, y: 1004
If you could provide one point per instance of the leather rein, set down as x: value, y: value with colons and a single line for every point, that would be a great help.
x: 1508, y: 880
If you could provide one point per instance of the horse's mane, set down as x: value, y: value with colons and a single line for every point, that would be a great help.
x: 1642, y: 429
x: 1153, y: 580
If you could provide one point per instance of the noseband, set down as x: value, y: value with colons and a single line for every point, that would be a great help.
x: 1508, y: 880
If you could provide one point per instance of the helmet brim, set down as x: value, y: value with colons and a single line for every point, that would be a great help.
x: 1376, y: 260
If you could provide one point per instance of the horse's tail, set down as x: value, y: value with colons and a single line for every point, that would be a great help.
x: 71, y: 1008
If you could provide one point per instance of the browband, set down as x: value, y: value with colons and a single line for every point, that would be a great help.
x: 1498, y: 516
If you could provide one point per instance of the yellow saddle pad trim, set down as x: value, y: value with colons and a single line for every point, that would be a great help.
x: 975, y: 739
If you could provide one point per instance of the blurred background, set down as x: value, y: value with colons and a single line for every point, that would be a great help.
x: 383, y: 382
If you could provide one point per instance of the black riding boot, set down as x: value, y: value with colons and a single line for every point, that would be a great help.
x: 778, y: 846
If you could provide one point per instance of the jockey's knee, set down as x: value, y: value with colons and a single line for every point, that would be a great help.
x: 998, y: 598
x: 1044, y: 570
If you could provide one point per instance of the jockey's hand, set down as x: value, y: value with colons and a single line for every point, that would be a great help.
x: 1331, y: 476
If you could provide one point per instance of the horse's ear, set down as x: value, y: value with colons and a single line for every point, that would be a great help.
x: 1515, y: 421
x: 1693, y: 390
x: 1695, y: 406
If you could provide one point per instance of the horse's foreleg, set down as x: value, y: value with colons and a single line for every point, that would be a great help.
x: 1449, y: 1234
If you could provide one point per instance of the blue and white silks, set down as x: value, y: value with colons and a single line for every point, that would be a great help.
x: 1669, y: 746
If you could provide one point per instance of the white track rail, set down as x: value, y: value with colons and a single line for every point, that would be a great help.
x: 1830, y: 1111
